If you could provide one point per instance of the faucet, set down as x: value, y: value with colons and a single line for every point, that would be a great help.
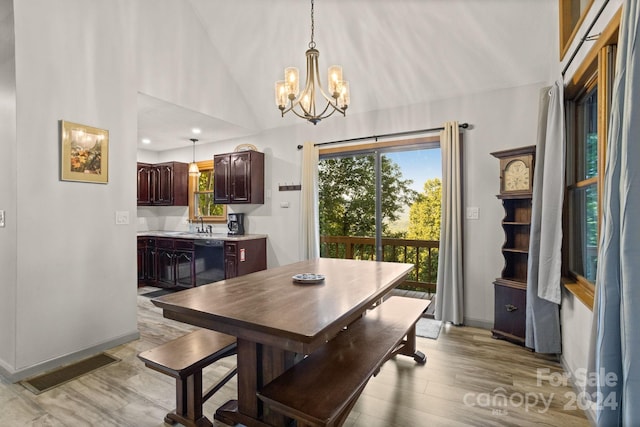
x: 201, y: 229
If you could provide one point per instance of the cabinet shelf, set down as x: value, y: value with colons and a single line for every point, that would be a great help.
x: 515, y: 250
x: 512, y: 282
x: 516, y: 224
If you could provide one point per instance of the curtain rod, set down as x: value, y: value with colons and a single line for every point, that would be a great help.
x: 386, y: 135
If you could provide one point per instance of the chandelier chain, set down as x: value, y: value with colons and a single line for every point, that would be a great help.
x: 312, y: 44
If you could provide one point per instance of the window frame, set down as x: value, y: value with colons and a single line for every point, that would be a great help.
x: 571, y: 18
x: 204, y: 165
x: 596, y: 71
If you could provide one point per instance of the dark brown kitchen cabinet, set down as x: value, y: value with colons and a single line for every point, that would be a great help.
x: 163, y: 184
x: 146, y: 261
x: 244, y: 256
x: 239, y: 177
x: 144, y: 184
x: 183, y: 263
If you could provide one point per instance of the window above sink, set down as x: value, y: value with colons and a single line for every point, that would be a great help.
x: 201, y: 203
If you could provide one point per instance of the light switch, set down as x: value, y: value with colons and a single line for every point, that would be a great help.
x: 473, y: 212
x: 2, y: 218
x: 284, y: 204
x: 122, y: 217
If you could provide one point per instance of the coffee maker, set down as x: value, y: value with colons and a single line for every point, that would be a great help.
x: 235, y: 223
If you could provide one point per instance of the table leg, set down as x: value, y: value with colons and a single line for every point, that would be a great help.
x: 257, y: 365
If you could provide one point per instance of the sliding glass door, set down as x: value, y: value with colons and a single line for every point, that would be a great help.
x: 382, y: 204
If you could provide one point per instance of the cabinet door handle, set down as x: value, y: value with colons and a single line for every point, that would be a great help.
x: 511, y: 307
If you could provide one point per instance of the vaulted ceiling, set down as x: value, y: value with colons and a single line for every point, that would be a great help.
x: 393, y: 52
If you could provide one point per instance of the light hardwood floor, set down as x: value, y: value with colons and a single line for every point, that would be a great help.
x: 470, y: 379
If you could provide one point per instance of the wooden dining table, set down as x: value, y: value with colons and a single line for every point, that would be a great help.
x: 277, y: 321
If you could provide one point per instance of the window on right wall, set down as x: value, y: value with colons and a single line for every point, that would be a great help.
x: 588, y: 104
x: 572, y: 14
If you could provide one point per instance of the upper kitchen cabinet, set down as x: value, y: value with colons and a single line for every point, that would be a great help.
x: 238, y: 177
x: 163, y: 184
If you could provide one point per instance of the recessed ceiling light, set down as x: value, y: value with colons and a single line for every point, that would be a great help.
x: 146, y: 141
x: 196, y: 131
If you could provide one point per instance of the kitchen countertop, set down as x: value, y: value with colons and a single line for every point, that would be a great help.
x: 203, y: 236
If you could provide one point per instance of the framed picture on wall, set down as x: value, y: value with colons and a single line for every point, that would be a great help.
x: 84, y: 153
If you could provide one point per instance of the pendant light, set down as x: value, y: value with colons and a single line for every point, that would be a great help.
x: 193, y: 166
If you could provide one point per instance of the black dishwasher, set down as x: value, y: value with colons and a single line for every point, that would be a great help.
x: 209, y: 262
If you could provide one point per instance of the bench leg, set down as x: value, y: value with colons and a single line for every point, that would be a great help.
x: 189, y: 403
x: 408, y: 347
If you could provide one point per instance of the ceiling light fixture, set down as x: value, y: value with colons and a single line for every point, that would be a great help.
x: 289, y: 89
x: 193, y: 166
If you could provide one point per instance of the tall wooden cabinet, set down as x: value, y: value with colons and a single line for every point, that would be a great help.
x: 516, y: 190
x: 238, y: 177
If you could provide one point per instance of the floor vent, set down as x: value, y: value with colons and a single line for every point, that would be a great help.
x: 44, y: 382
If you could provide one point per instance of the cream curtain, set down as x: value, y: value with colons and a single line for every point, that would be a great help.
x: 310, y: 242
x: 449, y: 287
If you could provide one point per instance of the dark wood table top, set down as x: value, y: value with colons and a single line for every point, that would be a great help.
x: 267, y: 307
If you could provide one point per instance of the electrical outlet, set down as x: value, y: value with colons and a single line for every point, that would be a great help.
x: 122, y: 217
x: 2, y: 218
x: 473, y: 213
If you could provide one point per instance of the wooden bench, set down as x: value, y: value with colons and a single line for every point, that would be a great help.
x: 183, y: 359
x: 322, y: 389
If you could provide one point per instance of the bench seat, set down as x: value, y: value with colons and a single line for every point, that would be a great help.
x: 184, y: 358
x: 323, y: 387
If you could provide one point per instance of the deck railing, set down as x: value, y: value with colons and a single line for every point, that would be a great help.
x: 423, y: 254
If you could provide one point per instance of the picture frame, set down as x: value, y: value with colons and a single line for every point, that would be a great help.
x: 84, y: 153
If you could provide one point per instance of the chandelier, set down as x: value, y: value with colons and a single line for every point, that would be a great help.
x: 310, y: 103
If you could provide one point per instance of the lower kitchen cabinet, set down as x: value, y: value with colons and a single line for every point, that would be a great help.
x: 244, y: 256
x: 185, y: 263
x: 146, y: 260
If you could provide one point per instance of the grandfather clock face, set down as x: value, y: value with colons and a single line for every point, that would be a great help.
x: 516, y: 176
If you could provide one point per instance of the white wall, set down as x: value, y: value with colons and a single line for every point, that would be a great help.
x: 177, y: 63
x: 8, y: 275
x: 75, y: 275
